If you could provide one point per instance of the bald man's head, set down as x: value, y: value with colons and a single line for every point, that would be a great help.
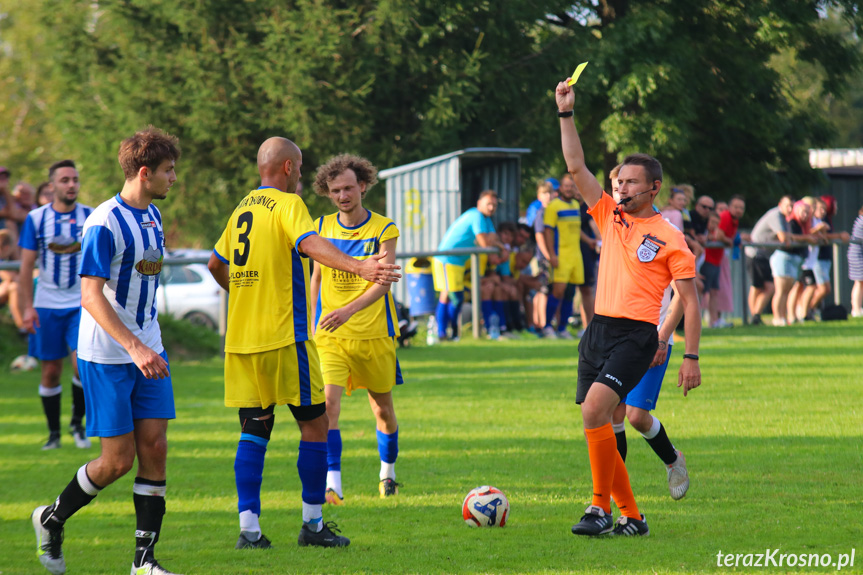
x: 279, y: 160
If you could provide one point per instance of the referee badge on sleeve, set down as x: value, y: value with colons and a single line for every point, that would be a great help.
x: 649, y: 248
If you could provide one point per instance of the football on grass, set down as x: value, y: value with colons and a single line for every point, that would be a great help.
x: 485, y: 506
x: 24, y: 363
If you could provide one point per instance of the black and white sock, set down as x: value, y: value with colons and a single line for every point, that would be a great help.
x: 149, y: 497
x: 659, y: 442
x: 78, y: 493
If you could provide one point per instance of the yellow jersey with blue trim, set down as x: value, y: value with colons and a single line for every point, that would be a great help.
x: 339, y: 288
x: 565, y: 217
x: 268, y: 303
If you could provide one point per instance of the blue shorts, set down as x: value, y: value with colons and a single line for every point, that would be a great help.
x: 821, y: 271
x: 785, y: 265
x: 646, y: 393
x: 117, y: 395
x: 57, y: 334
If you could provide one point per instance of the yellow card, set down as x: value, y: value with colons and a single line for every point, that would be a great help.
x: 576, y: 74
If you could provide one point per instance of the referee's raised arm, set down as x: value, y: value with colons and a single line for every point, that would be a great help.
x: 573, y: 153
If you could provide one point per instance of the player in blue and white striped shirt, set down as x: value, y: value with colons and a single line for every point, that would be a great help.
x: 51, y: 238
x: 122, y: 362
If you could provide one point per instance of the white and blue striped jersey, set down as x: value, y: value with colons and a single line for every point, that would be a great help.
x: 125, y: 245
x: 56, y: 239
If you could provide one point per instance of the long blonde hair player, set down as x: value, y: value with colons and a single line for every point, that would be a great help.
x: 356, y: 320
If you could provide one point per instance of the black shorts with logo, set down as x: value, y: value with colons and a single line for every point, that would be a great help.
x: 615, y: 352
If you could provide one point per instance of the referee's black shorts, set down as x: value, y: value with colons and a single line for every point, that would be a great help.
x: 615, y: 352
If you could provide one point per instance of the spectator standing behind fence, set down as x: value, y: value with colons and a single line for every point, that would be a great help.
x: 542, y: 268
x: 8, y: 278
x: 25, y: 197
x: 51, y: 240
x: 725, y: 296
x: 673, y: 210
x: 4, y: 195
x: 855, y: 266
x: 805, y: 276
x: 698, y: 230
x: 784, y: 265
x: 800, y: 225
x: 44, y: 194
x: 820, y: 259
x: 724, y: 231
x: 729, y: 223
x: 771, y: 227
x: 11, y: 213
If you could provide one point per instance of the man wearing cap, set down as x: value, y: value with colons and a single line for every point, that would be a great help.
x: 472, y: 228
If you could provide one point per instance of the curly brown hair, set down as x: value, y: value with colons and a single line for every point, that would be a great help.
x: 366, y: 172
x: 149, y: 147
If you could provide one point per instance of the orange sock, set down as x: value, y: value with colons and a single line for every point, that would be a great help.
x: 621, y: 490
x: 602, y: 451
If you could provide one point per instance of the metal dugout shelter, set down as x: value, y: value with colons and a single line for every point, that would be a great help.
x: 424, y: 198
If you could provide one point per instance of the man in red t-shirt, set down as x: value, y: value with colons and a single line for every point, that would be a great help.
x: 729, y: 221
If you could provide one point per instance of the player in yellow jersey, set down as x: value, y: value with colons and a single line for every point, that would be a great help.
x: 262, y: 258
x: 562, y: 219
x: 357, y: 324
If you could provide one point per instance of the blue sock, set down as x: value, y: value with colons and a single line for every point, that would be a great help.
x: 442, y: 318
x: 550, y: 309
x: 249, y: 473
x: 334, y: 450
x: 312, y: 465
x: 388, y: 446
x: 454, y: 312
x: 487, y: 311
x: 565, y: 312
x: 500, y: 310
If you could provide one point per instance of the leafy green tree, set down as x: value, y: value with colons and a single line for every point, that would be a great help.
x: 29, y: 140
x: 693, y: 82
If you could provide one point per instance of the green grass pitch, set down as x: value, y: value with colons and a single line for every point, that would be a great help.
x: 772, y: 438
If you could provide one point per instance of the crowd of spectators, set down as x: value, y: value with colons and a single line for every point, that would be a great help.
x: 787, y: 279
x: 525, y: 291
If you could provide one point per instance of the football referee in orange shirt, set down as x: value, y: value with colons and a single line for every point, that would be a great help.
x: 641, y: 254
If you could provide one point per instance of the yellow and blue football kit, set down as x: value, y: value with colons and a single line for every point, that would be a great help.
x: 362, y: 352
x: 269, y: 312
x: 565, y: 218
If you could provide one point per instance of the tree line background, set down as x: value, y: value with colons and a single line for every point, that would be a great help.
x: 728, y: 94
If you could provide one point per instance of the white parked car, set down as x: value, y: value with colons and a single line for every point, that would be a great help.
x: 188, y: 291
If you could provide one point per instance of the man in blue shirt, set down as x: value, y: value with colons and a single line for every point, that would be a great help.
x: 472, y: 228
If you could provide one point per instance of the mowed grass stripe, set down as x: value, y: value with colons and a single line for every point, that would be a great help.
x: 772, y: 438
